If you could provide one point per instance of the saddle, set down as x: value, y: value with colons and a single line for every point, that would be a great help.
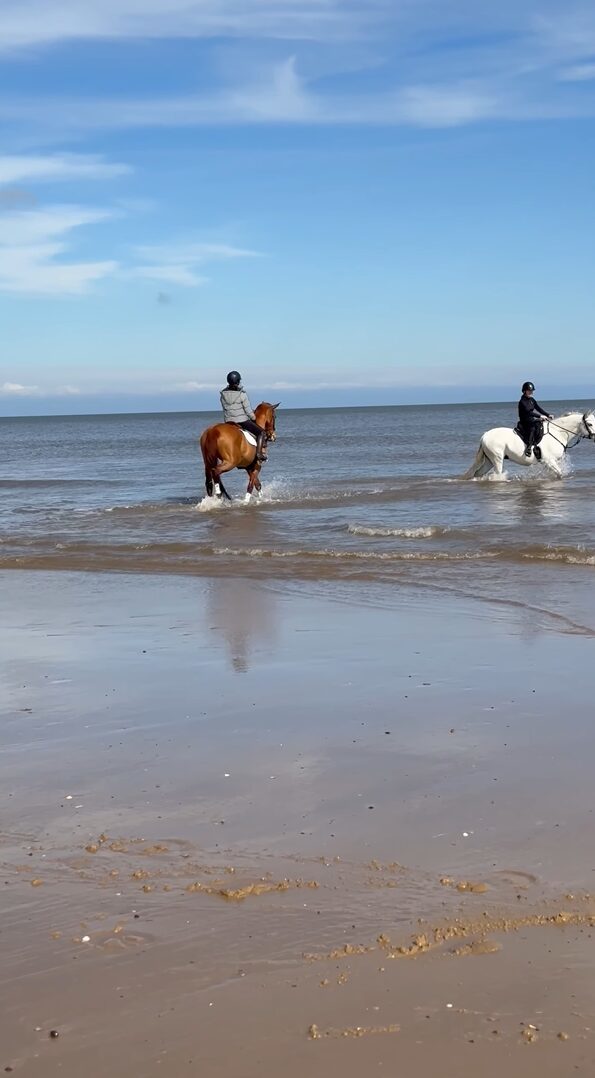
x: 250, y: 438
x: 523, y: 435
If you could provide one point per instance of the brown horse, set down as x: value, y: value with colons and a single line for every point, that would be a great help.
x: 224, y: 448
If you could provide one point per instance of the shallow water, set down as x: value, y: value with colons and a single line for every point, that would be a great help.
x: 370, y: 495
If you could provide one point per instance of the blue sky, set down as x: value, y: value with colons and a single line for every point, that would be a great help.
x: 388, y: 201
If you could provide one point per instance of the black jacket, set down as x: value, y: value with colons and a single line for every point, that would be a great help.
x: 530, y: 411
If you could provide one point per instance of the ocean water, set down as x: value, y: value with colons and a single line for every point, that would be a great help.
x: 364, y: 502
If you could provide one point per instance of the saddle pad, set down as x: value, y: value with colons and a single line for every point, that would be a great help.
x: 249, y: 437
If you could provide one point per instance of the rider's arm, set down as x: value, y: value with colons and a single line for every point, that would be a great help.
x: 541, y: 410
x: 247, y: 406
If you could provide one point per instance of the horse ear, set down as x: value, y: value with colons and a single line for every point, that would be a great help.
x: 275, y: 406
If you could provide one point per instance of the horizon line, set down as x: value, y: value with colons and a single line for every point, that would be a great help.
x: 309, y: 408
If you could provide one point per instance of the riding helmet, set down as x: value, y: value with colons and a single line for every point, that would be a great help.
x: 234, y: 379
x: 528, y: 385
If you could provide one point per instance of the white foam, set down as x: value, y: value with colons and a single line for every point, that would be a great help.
x: 355, y: 555
x: 211, y: 504
x: 400, y: 533
x: 578, y: 556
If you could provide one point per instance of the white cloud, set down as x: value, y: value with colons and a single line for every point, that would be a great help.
x: 578, y: 73
x: 282, y: 95
x: 15, y: 389
x: 44, y: 22
x: 446, y: 106
x: 34, y: 241
x: 452, y: 63
x: 178, y: 263
x: 36, y: 169
x: 35, y: 244
x: 25, y: 227
x: 32, y: 244
x: 568, y: 32
x: 285, y: 98
x: 172, y: 274
x: 193, y: 387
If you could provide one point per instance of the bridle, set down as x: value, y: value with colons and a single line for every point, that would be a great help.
x: 590, y: 434
x: 270, y: 431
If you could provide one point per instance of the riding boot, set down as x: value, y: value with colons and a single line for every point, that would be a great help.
x: 528, y: 449
x: 261, y: 453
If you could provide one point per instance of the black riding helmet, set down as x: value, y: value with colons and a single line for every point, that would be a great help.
x: 528, y: 385
x: 234, y: 379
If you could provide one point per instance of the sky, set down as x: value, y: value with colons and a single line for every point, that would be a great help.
x: 387, y: 201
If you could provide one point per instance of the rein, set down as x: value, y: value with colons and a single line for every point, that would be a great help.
x: 570, y: 444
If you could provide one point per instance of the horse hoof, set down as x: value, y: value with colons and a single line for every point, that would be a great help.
x: 247, y: 499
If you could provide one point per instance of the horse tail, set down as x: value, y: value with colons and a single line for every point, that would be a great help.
x: 476, y: 467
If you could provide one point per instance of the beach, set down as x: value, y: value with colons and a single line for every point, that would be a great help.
x: 250, y: 825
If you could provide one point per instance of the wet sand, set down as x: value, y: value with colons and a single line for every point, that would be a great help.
x: 359, y: 841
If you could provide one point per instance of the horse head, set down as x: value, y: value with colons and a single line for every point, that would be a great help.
x: 265, y: 417
x: 589, y: 424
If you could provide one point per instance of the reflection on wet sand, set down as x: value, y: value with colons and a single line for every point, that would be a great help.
x: 245, y: 615
x: 377, y: 842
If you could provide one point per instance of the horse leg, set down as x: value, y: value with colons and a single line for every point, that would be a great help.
x: 253, y: 481
x: 553, y: 465
x: 210, y: 457
x: 225, y: 466
x: 497, y: 462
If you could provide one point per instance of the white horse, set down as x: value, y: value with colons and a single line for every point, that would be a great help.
x: 503, y: 443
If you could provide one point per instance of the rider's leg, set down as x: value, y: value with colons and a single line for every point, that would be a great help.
x: 261, y: 451
x: 260, y: 436
x: 530, y: 440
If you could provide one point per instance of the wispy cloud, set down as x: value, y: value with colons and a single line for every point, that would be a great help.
x: 25, y: 23
x: 179, y: 263
x: 16, y: 389
x: 192, y: 387
x: 35, y: 241
x: 57, y: 167
x: 282, y: 96
x: 32, y: 246
x: 444, y: 64
x: 577, y: 73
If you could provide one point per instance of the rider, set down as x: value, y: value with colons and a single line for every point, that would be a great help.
x: 529, y: 412
x: 237, y: 409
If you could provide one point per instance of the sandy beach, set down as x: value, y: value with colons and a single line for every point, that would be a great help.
x: 361, y: 838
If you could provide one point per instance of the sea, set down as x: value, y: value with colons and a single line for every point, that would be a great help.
x: 366, y: 504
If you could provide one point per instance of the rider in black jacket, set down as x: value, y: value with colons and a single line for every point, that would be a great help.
x: 529, y: 413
